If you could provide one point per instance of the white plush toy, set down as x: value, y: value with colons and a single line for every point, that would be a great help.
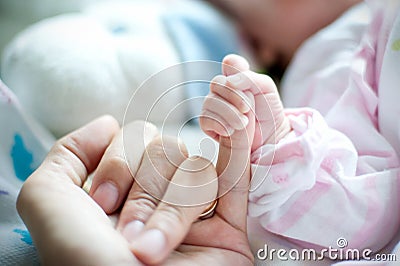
x: 16, y: 15
x: 71, y: 68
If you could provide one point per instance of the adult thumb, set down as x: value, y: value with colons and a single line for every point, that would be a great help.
x: 233, y: 170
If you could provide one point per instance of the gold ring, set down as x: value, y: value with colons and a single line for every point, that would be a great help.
x: 87, y: 184
x: 209, y: 212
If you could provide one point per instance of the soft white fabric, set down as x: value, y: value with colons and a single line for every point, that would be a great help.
x: 71, y: 68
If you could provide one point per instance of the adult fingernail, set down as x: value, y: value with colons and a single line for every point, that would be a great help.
x: 132, y: 230
x: 150, y: 243
x: 106, y: 195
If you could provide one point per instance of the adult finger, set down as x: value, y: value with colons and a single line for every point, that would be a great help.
x: 73, y: 157
x: 161, y: 158
x: 77, y: 154
x: 61, y: 217
x: 192, y: 188
x: 115, y: 173
x: 233, y: 165
x: 233, y: 169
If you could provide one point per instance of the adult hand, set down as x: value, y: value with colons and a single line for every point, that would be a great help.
x: 68, y: 227
x: 160, y: 232
x: 166, y: 228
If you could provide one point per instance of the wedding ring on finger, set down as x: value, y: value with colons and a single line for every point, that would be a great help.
x: 209, y: 211
x: 87, y: 184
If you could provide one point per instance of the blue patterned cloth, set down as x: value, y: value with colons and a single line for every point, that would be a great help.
x: 23, y: 146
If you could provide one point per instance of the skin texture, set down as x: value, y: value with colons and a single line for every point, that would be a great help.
x: 64, y: 221
x: 69, y: 228
x: 239, y: 94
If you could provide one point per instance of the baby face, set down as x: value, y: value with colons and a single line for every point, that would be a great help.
x: 276, y: 28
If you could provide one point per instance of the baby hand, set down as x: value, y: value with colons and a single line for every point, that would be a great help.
x: 224, y: 109
x: 226, y: 106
